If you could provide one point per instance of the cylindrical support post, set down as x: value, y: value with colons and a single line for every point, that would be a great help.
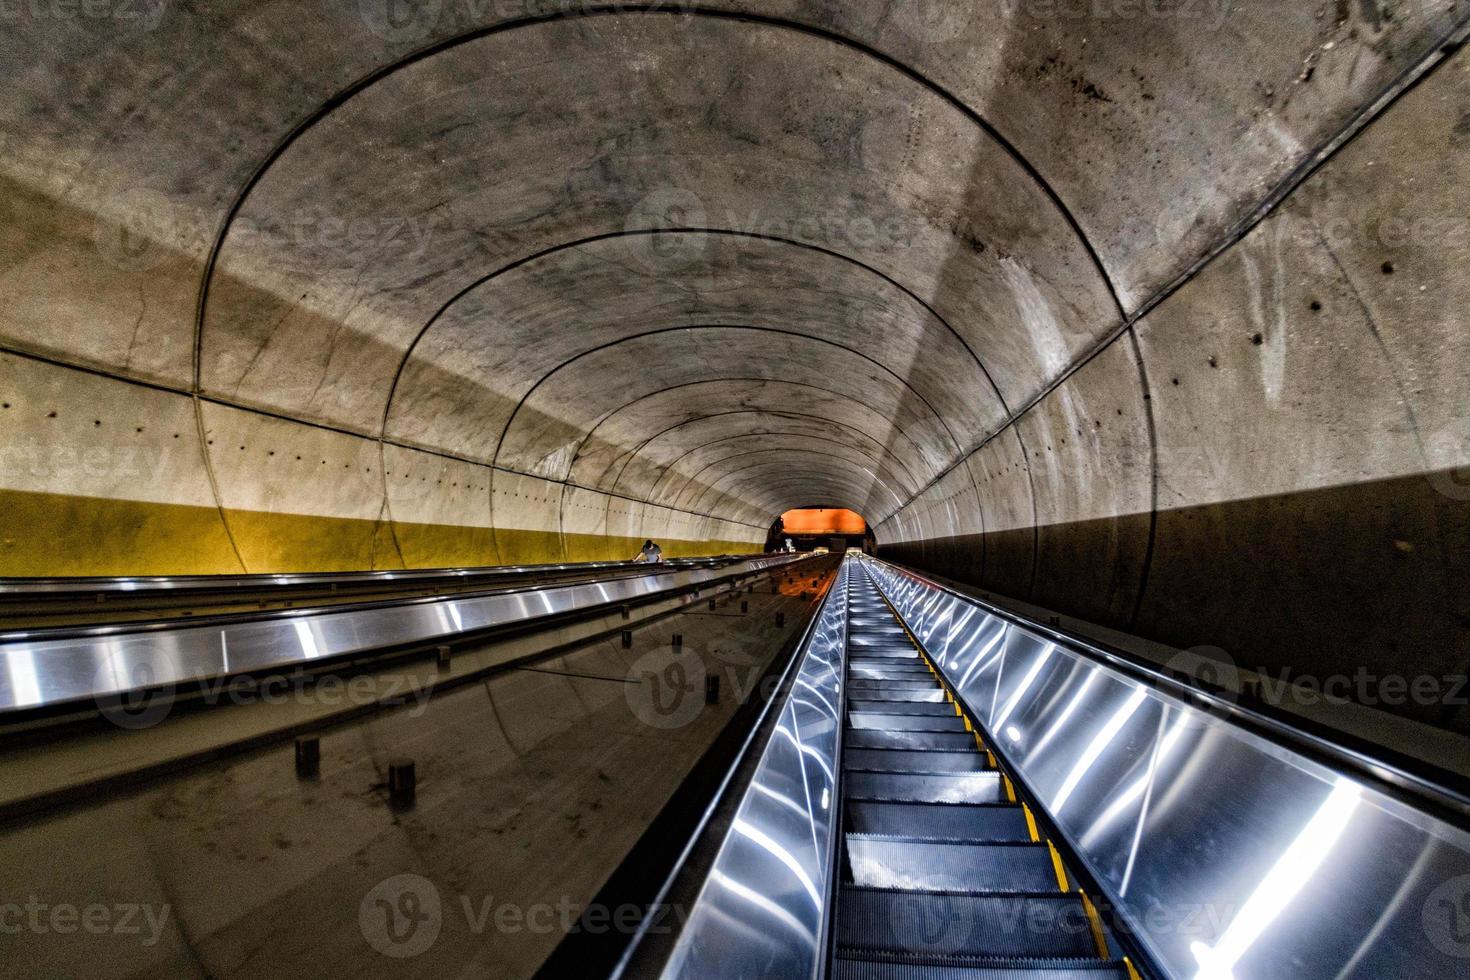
x: 627, y: 612
x: 402, y: 783
x: 445, y: 656
x: 780, y: 619
x: 308, y: 756
x: 712, y: 689
x: 678, y: 640
x: 712, y: 602
x: 627, y: 639
x: 744, y: 605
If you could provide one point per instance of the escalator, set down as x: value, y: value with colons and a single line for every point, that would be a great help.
x: 944, y: 873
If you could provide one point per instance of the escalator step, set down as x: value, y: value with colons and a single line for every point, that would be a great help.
x: 977, y: 787
x: 939, y: 821
x: 887, y: 706
x: 913, y: 741
x: 933, y: 695
x: 858, y: 969
x: 885, y: 721
x: 868, y: 640
x: 922, y: 925
x: 902, y: 672
x: 928, y: 866
x: 905, y: 760
x: 915, y: 682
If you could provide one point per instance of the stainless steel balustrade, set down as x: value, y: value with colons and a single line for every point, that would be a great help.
x: 127, y: 585
x: 762, y: 909
x: 107, y: 662
x: 1229, y: 855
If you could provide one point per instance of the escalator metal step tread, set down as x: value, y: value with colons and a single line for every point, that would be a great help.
x: 906, y: 760
x: 912, y: 741
x: 887, y: 672
x: 939, y: 822
x: 946, y: 968
x: 914, y: 683
x: 939, y: 866
x: 886, y: 721
x: 900, y: 661
x: 977, y: 787
x: 933, y: 694
x: 902, y: 924
x: 887, y: 706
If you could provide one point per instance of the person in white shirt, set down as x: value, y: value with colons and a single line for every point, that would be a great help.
x: 651, y: 553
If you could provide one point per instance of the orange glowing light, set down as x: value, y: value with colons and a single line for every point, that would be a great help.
x: 823, y: 522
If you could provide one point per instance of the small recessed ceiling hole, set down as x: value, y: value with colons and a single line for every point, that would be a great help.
x: 1316, y: 306
x: 1388, y: 268
x: 1176, y: 381
x: 1258, y: 340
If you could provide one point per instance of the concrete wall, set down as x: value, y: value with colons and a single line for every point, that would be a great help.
x: 1272, y: 460
x: 1149, y: 312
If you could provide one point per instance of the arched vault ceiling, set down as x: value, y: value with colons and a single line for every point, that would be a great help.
x: 501, y: 148
x: 487, y: 349
x: 618, y: 442
x: 552, y: 423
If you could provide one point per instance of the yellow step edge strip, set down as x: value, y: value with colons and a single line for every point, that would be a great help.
x: 1095, y: 920
x: 1056, y: 863
x: 1132, y: 970
x: 1031, y: 824
x: 1011, y: 792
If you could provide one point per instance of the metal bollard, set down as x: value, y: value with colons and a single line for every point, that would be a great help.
x: 402, y: 783
x: 627, y: 612
x: 712, y: 689
x: 780, y: 619
x: 627, y: 639
x: 308, y: 756
x: 444, y: 657
x: 678, y: 641
x: 712, y: 603
x: 744, y: 606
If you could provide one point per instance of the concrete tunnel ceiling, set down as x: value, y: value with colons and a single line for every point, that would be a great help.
x: 439, y: 289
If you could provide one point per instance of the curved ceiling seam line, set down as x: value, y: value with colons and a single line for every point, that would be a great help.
x: 1270, y: 203
x: 878, y: 466
x: 751, y: 473
x: 516, y: 264
x: 778, y: 449
x: 797, y: 491
x: 627, y: 457
x: 500, y: 444
x: 665, y: 470
x: 759, y: 473
x: 446, y: 44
